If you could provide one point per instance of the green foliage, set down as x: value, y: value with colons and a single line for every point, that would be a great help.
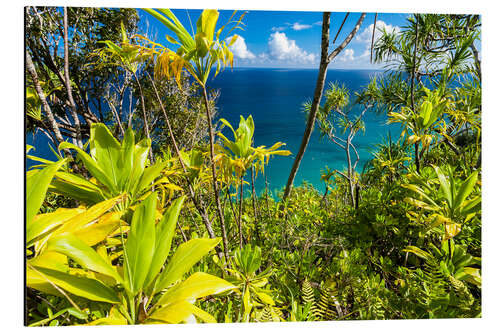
x: 102, y: 242
x: 116, y: 167
x: 197, y: 52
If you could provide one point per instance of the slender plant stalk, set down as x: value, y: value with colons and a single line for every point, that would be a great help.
x: 256, y: 214
x: 349, y: 168
x: 144, y: 116
x: 412, y: 90
x: 201, y: 208
x: 220, y: 213
x: 318, y: 92
x: 267, y: 197
x: 373, y: 36
x: 231, y: 204
x: 240, y: 212
x: 182, y: 231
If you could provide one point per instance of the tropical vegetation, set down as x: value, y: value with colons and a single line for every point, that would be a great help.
x: 152, y: 217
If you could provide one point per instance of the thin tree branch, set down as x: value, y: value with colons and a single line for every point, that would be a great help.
x: 348, y: 39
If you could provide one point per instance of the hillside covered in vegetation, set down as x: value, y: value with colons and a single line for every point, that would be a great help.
x: 148, y: 211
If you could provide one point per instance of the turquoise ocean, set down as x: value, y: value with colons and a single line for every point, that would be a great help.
x: 274, y: 98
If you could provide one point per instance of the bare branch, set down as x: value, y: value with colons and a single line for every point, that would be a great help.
x: 348, y: 39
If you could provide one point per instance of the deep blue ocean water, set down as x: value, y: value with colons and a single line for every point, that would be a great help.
x: 274, y: 98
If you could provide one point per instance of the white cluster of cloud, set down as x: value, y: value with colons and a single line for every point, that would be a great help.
x: 297, y: 26
x: 282, y: 48
x: 346, y: 55
x: 366, y: 35
x: 279, y: 49
x: 240, y: 49
x: 273, y: 29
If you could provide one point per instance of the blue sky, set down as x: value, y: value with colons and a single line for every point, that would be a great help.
x: 288, y: 39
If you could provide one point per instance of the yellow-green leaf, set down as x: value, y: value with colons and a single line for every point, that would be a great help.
x: 197, y: 285
x: 184, y: 258
x: 37, y: 184
x: 76, y: 249
x: 38, y: 277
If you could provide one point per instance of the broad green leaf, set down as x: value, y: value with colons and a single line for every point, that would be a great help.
x: 202, y: 45
x: 473, y: 275
x: 184, y: 258
x: 203, y: 315
x: 140, y: 157
x: 149, y: 175
x: 52, y: 260
x: 80, y: 286
x: 99, y: 230
x: 445, y: 185
x: 265, y: 298
x: 425, y: 113
x: 172, y: 23
x: 43, y: 224
x: 165, y: 230
x: 247, y: 304
x: 90, y: 215
x: 37, y: 184
x: 106, y: 150
x: 173, y: 313
x: 81, y: 253
x: 421, y: 192
x: 91, y: 165
x: 196, y: 286
x: 471, y: 206
x: 140, y: 246
x: 465, y: 189
x: 126, y: 160
x: 420, y: 204
x: 114, y: 318
x: 206, y: 23
x: 77, y: 187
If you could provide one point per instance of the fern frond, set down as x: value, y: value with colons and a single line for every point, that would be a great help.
x: 329, y: 306
x: 265, y: 315
x: 308, y: 298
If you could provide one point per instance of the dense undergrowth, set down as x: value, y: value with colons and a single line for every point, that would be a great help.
x: 116, y: 235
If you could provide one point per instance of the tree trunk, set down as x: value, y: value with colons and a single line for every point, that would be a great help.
x: 318, y: 92
x: 46, y: 107
x: 412, y: 91
x: 320, y: 83
x: 67, y: 81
